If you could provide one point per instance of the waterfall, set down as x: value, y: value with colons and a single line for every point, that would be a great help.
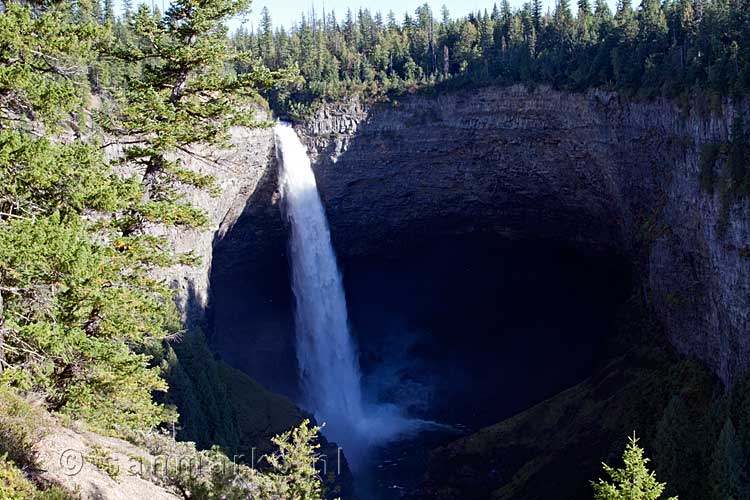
x: 328, y: 363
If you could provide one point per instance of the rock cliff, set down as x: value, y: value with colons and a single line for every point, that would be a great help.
x: 590, y: 169
x: 238, y: 171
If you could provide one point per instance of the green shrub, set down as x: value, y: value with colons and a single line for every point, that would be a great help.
x: 15, y: 486
x: 293, y: 473
x: 55, y: 493
x: 210, y: 474
x: 183, y: 468
x: 101, y: 459
x: 21, y: 427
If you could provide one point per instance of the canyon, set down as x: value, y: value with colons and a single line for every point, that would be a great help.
x: 592, y: 170
x: 594, y: 173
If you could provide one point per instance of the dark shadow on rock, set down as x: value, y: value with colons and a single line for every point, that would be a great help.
x: 250, y: 313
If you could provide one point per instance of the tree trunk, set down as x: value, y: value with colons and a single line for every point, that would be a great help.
x: 150, y: 177
x: 179, y: 87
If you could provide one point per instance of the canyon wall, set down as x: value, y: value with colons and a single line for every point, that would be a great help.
x: 238, y: 173
x: 590, y: 169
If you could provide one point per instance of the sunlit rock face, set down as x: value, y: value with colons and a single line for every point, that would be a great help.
x: 238, y: 172
x: 590, y: 170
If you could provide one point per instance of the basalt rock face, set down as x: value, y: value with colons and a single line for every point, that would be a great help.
x: 238, y: 172
x: 590, y: 170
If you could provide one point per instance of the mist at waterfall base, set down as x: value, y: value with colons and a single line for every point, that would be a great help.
x: 327, y: 356
x: 471, y: 329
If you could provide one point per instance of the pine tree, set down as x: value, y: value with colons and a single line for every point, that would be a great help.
x: 293, y: 474
x: 267, y: 48
x: 562, y: 11
x: 663, y: 49
x: 584, y: 23
x: 505, y: 11
x: 602, y: 11
x: 677, y: 452
x: 495, y: 12
x: 626, y: 21
x: 81, y: 316
x: 44, y: 57
x: 184, y: 98
x: 79, y: 308
x: 584, y: 8
x: 97, y: 12
x: 349, y: 29
x: 486, y: 39
x: 392, y: 23
x: 653, y: 25
x: 633, y: 482
x: 109, y: 12
x: 127, y: 9
x: 726, y: 474
x: 536, y: 12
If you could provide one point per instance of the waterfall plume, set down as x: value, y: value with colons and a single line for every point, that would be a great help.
x: 328, y: 363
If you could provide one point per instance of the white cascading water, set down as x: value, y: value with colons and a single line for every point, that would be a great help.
x: 327, y: 357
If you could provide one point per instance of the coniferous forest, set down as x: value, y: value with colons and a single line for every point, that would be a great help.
x: 670, y: 48
x: 88, y: 329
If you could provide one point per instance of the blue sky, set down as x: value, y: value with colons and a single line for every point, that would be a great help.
x: 287, y: 12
